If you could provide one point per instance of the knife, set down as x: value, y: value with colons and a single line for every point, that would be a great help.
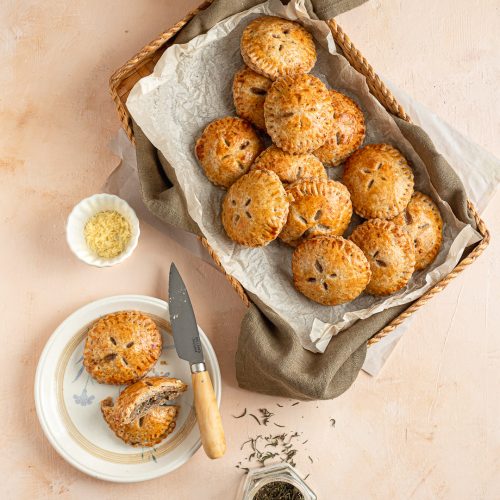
x: 188, y: 347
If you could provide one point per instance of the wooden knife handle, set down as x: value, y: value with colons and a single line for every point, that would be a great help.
x: 208, y: 415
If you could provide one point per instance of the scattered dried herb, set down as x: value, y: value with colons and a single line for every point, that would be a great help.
x: 332, y: 422
x: 277, y: 404
x: 252, y: 415
x: 307, y: 476
x: 295, y: 404
x: 278, y: 490
x: 266, y: 415
x: 310, y: 458
x: 242, y: 415
x: 278, y: 425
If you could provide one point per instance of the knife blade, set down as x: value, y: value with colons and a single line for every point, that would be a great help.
x: 188, y: 346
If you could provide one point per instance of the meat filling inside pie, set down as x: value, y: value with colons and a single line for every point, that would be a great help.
x: 121, y: 347
x: 423, y: 221
x: 276, y: 47
x: 226, y: 150
x: 380, y: 181
x: 288, y: 167
x: 249, y: 93
x: 317, y: 207
x: 390, y: 251
x: 330, y: 270
x: 348, y: 131
x: 255, y: 208
x: 299, y: 113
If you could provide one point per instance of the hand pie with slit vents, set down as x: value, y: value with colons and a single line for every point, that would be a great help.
x: 148, y: 430
x: 390, y: 251
x: 299, y: 113
x: 318, y: 207
x: 288, y: 167
x: 276, y: 47
x: 380, y: 181
x: 348, y: 131
x: 255, y: 208
x: 249, y: 93
x: 137, y: 399
x: 423, y: 221
x: 121, y: 347
x: 330, y: 270
x: 226, y: 149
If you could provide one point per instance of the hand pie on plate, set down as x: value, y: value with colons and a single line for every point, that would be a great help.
x: 318, y: 207
x: 255, y: 208
x: 299, y: 113
x: 380, y: 181
x: 226, y: 149
x: 121, y: 347
x: 390, y: 251
x: 288, y: 167
x: 330, y: 270
x: 348, y: 131
x: 425, y: 225
x: 276, y: 47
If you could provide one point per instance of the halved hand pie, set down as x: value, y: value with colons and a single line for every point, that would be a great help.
x: 255, y: 208
x: 288, y: 167
x: 317, y: 207
x: 249, y: 93
x: 299, y: 113
x: 425, y: 225
x: 380, y: 181
x: 121, y: 347
x: 348, y: 131
x: 150, y: 429
x: 226, y: 149
x: 276, y: 47
x: 390, y: 252
x: 330, y: 270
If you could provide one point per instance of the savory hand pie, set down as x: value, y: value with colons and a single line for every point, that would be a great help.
x: 121, y: 347
x: 380, y: 181
x: 150, y: 429
x: 317, y: 207
x: 330, y: 270
x: 276, y: 47
x: 348, y: 131
x: 136, y: 400
x: 288, y: 167
x: 249, y: 93
x: 226, y: 149
x: 255, y: 208
x: 299, y: 113
x: 425, y: 225
x: 390, y: 252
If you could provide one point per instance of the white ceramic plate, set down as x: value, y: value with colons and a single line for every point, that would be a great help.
x: 67, y: 399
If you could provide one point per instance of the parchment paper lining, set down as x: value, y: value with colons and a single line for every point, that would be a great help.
x: 191, y: 86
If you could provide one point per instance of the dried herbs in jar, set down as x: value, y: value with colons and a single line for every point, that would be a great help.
x: 278, y: 490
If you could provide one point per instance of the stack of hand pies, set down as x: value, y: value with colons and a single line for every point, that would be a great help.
x: 284, y: 191
x: 120, y: 349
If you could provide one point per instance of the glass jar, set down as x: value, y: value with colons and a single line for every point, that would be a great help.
x: 283, y: 472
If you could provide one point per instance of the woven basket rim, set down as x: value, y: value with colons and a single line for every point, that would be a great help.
x: 378, y: 90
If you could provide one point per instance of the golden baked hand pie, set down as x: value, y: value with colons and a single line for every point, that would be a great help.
x: 348, y: 131
x: 299, y: 113
x: 137, y: 399
x: 226, y: 149
x: 121, y: 347
x: 276, y: 47
x: 390, y: 252
x: 288, y: 167
x: 330, y: 270
x: 255, y: 208
x: 380, y: 181
x: 148, y: 430
x: 317, y: 207
x: 425, y: 225
x: 249, y: 93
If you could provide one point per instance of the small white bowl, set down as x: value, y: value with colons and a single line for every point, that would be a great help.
x: 82, y: 213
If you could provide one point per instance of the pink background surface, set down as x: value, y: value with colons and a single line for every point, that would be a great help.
x: 426, y: 427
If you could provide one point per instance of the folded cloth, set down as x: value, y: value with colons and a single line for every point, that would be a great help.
x: 270, y: 358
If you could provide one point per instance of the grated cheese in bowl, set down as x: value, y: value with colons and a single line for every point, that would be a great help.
x: 107, y: 233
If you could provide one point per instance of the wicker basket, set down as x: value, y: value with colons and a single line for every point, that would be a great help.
x: 142, y: 64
